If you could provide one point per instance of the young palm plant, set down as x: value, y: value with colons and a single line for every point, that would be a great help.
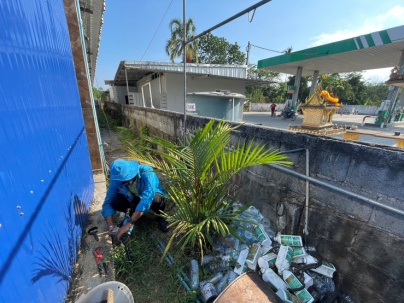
x: 199, y: 181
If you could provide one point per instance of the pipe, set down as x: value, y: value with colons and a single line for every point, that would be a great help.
x: 306, y: 230
x: 338, y: 189
x: 170, y: 260
x: 184, y: 47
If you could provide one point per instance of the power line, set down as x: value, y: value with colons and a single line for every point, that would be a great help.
x: 271, y: 50
x: 156, y: 30
x: 296, y: 54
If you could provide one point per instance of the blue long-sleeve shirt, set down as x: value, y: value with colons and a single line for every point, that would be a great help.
x: 148, y: 184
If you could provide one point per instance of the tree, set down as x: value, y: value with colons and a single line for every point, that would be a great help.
x: 217, y: 50
x: 304, y: 89
x: 174, y: 46
x: 288, y: 50
x: 375, y: 93
x: 199, y: 181
x: 97, y: 93
x: 264, y: 93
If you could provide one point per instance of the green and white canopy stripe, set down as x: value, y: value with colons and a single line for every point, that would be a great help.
x: 375, y: 50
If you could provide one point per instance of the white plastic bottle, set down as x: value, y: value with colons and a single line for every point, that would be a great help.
x: 194, y: 274
x: 273, y: 279
x: 289, y: 240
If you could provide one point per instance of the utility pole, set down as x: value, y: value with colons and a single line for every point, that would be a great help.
x: 248, y: 53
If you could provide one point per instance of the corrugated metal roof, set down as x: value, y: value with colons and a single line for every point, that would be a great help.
x: 136, y: 70
x: 220, y: 94
x: 92, y: 15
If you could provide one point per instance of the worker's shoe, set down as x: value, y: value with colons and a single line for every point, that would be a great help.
x: 163, y: 224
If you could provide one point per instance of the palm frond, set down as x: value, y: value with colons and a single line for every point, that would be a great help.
x: 200, y: 178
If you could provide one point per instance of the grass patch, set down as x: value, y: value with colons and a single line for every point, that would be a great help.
x: 149, y: 280
x: 106, y: 121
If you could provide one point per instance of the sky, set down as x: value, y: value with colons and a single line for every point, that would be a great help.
x: 136, y: 30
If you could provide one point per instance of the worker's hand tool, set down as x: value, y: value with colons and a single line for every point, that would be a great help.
x: 93, y: 231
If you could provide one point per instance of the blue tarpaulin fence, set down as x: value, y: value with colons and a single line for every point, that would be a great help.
x: 46, y: 181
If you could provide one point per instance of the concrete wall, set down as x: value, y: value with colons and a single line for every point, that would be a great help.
x: 364, y: 242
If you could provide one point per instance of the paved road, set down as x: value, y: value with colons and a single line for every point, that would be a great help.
x: 265, y: 119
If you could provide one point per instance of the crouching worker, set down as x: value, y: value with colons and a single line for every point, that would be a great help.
x: 135, y: 187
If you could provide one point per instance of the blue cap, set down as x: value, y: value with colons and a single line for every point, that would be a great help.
x: 122, y: 170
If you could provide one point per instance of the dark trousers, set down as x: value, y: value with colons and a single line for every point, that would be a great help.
x: 120, y: 203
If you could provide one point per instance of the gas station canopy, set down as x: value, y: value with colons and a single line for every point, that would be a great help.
x: 375, y: 50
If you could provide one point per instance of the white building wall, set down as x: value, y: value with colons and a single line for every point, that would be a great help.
x: 117, y: 93
x: 175, y: 87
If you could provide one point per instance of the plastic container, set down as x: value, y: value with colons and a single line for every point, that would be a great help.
x: 241, y: 265
x: 122, y: 294
x: 287, y: 296
x: 194, y: 275
x: 232, y: 276
x: 267, y: 261
x: 216, y: 278
x: 273, y: 279
x: 208, y: 292
x: 207, y: 259
x: 221, y: 285
x: 306, y: 260
x: 326, y: 269
x: 304, y: 296
x: 291, y: 280
x: 126, y: 222
x: 284, y: 258
x: 262, y: 236
x: 216, y: 266
x: 252, y: 257
x: 289, y: 240
x: 298, y: 252
x: 293, y: 283
x: 308, y: 281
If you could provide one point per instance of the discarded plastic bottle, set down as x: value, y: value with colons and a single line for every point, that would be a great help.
x: 329, y: 283
x: 207, y: 259
x: 216, y: 266
x: 194, y: 274
x: 232, y: 276
x: 319, y: 285
x: 126, y: 222
x: 221, y: 285
x: 208, y: 292
x: 216, y: 278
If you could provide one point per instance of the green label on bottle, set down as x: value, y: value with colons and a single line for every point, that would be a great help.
x: 291, y: 240
x: 293, y: 282
x: 304, y: 296
x: 298, y: 252
x: 259, y: 233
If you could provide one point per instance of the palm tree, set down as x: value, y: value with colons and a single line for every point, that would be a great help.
x: 174, y: 46
x: 199, y: 181
x: 288, y: 50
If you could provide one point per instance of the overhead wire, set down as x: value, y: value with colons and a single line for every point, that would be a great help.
x: 162, y: 19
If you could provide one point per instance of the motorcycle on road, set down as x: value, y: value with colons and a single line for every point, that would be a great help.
x: 288, y: 115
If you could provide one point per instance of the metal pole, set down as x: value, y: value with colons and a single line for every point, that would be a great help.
x: 252, y: 7
x: 127, y: 85
x: 185, y: 71
x: 248, y: 53
x: 306, y: 230
x: 338, y: 189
